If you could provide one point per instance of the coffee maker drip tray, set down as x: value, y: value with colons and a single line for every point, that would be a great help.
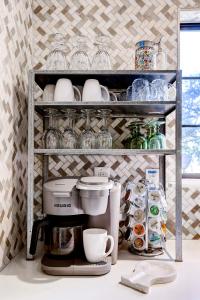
x: 74, y: 266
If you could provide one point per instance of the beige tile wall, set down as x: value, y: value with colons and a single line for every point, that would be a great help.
x: 15, y: 25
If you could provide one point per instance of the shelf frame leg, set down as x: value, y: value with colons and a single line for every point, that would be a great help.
x: 178, y: 166
x: 30, y: 193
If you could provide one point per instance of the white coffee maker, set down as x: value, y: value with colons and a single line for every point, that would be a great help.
x: 71, y: 205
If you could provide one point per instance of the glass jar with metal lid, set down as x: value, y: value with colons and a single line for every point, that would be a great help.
x: 145, y: 55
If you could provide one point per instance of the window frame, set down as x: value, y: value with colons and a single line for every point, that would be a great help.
x: 190, y: 27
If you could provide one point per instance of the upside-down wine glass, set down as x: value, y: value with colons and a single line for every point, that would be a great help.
x: 88, y: 138
x: 52, y: 137
x: 80, y: 59
x: 70, y: 139
x: 101, y: 59
x: 57, y: 58
x: 104, y: 137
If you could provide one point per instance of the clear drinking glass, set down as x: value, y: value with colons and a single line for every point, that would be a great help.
x: 140, y: 90
x: 52, y: 136
x: 101, y: 60
x: 57, y: 58
x: 70, y: 139
x: 104, y: 138
x: 88, y: 138
x: 160, y: 87
x: 80, y: 59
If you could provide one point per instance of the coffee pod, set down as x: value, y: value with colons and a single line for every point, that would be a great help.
x: 129, y: 221
x: 154, y: 239
x: 139, y: 243
x: 154, y: 210
x: 163, y: 228
x: 155, y: 224
x: 138, y: 229
x: 129, y: 208
x: 122, y: 231
x: 163, y: 213
x: 128, y: 234
x: 139, y: 202
x: 127, y: 196
x: 154, y: 196
x: 139, y: 215
x: 139, y: 189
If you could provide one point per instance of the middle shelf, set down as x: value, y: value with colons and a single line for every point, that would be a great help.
x: 104, y: 152
x: 148, y: 108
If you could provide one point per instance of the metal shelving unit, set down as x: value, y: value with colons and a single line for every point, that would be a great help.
x: 117, y: 81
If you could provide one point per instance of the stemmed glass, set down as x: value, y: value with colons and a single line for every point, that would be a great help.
x: 104, y: 137
x: 156, y: 140
x: 138, y: 141
x: 70, y: 139
x: 52, y: 137
x: 80, y: 59
x: 88, y: 139
x: 101, y: 60
x: 160, y: 135
x: 57, y: 58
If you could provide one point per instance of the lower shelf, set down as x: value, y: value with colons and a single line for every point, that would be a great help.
x: 103, y: 152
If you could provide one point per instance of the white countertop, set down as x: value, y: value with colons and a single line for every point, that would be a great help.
x: 23, y: 279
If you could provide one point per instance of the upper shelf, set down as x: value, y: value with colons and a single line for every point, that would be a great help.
x: 120, y: 79
x: 128, y: 108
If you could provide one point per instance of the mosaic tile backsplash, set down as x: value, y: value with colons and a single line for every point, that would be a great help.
x: 15, y: 30
x: 25, y: 29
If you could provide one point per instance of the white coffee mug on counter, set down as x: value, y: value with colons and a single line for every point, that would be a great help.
x: 48, y: 93
x: 66, y: 92
x: 95, y: 242
x: 94, y: 91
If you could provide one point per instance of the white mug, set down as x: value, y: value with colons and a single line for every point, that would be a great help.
x: 48, y: 93
x: 65, y: 91
x: 94, y: 242
x: 94, y: 91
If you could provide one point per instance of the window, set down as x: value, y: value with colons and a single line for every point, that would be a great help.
x: 190, y: 65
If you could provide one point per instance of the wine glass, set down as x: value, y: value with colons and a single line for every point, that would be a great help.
x: 80, y: 59
x: 88, y: 138
x: 57, y: 58
x: 101, y: 59
x: 52, y: 137
x: 104, y: 137
x: 70, y: 139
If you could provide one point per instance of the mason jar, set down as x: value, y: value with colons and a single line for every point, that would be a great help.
x: 145, y: 55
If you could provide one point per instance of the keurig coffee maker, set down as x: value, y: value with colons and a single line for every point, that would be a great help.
x: 71, y: 205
